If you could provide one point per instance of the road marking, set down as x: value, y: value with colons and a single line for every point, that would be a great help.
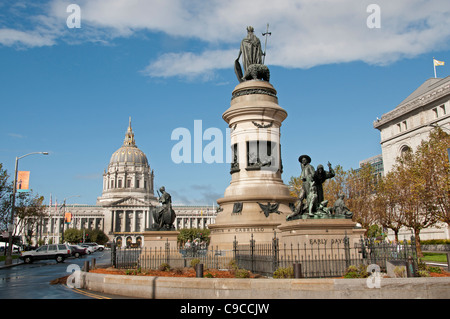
x: 85, y: 293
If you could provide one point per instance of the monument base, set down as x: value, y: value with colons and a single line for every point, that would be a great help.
x: 321, y: 231
x: 159, y: 239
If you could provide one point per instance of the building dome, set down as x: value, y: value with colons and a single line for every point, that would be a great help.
x: 128, y: 174
x: 129, y: 153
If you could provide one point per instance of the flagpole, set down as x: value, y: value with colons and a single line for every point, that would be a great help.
x: 434, y: 66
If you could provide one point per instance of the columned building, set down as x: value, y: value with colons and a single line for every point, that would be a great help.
x: 409, y: 123
x: 123, y: 211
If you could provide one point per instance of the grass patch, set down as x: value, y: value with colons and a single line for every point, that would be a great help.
x: 437, y: 257
x: 2, y: 258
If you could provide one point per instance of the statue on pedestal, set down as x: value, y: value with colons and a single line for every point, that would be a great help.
x: 252, y: 59
x: 315, y: 205
x: 340, y: 209
x: 164, y: 216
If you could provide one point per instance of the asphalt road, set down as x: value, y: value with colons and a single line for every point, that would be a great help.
x: 33, y: 281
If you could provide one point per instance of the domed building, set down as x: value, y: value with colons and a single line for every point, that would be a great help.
x: 123, y: 211
x: 128, y: 174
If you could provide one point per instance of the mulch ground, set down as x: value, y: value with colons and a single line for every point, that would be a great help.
x: 184, y: 272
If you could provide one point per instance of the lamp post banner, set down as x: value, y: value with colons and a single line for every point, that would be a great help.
x: 23, y: 180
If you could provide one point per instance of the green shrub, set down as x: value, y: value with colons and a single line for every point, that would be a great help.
x: 436, y: 270
x: 233, y: 265
x: 356, y: 271
x: 435, y: 242
x: 423, y: 273
x: 242, y: 273
x: 282, y: 273
x: 195, y: 262
x: 164, y: 267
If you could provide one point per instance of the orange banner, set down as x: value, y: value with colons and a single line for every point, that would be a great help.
x: 23, y: 179
x: 68, y: 218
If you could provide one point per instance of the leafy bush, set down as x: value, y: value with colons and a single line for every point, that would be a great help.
x: 238, y: 272
x: 435, y: 242
x: 164, y: 267
x: 282, y: 273
x: 436, y: 270
x: 195, y: 262
x: 356, y: 271
x: 242, y: 273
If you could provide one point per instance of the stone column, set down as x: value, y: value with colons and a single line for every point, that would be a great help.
x: 255, y: 119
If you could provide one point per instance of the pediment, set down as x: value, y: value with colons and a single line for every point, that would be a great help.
x: 130, y: 201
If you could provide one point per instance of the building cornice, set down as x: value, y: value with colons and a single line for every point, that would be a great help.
x: 424, y: 99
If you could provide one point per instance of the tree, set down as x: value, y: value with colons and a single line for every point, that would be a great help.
x: 74, y: 236
x: 29, y: 212
x: 5, y: 198
x: 361, y: 189
x: 29, y: 208
x: 415, y: 197
x: 193, y: 233
x: 335, y: 186
x: 385, y: 204
x: 433, y: 157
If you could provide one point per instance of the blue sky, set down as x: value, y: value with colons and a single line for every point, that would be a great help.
x: 167, y: 63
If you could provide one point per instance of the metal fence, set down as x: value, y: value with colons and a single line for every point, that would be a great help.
x: 321, y: 258
x: 154, y: 258
x: 317, y: 259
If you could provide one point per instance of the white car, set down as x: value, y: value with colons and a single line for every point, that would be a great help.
x: 90, y: 249
x: 59, y: 252
x: 96, y: 246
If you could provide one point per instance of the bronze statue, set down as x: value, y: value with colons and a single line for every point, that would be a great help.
x: 164, y: 216
x: 315, y: 205
x: 252, y: 59
x: 320, y: 176
x: 340, y: 209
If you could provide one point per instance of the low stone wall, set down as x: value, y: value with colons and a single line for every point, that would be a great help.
x: 435, y: 248
x: 220, y: 288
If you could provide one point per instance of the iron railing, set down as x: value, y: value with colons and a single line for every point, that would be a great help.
x: 321, y: 258
x: 318, y: 258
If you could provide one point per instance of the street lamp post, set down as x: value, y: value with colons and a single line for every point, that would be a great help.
x: 64, y: 215
x: 8, y: 259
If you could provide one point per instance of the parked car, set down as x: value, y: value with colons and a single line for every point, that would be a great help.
x: 95, y: 246
x: 78, y: 251
x: 59, y: 252
x: 90, y: 249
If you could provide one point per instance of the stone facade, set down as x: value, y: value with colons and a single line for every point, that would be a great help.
x: 411, y: 121
x: 408, y: 124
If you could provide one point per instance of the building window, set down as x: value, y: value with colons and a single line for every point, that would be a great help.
x: 119, y: 183
x: 442, y: 107
x: 137, y: 183
x: 129, y: 183
x: 405, y: 126
x: 405, y: 149
x: 112, y: 184
x: 435, y: 113
x: 399, y: 128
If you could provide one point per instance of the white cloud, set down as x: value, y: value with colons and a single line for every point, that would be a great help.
x: 305, y: 33
x: 189, y: 65
x: 10, y: 37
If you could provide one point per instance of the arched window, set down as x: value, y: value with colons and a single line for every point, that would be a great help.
x: 404, y: 149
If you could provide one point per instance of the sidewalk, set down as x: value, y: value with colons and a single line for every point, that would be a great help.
x: 15, y: 262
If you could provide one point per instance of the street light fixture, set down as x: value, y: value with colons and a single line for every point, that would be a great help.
x: 8, y: 259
